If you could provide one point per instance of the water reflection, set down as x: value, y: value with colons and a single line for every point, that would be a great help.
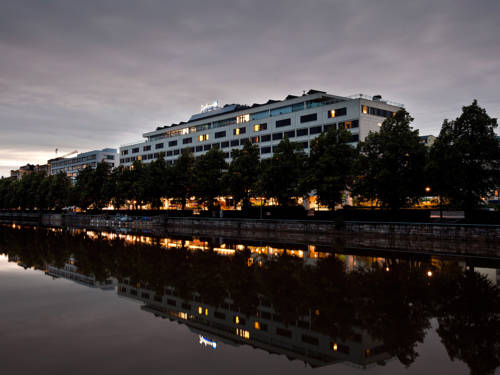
x: 306, y: 302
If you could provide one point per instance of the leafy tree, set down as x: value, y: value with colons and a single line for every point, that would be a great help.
x: 330, y: 166
x: 59, y: 190
x: 93, y: 186
x: 8, y: 188
x: 156, y: 181
x: 280, y: 174
x: 44, y: 198
x: 84, y: 187
x: 180, y: 179
x: 101, y: 192
x: 391, y: 164
x: 119, y: 185
x: 243, y: 174
x: 138, y: 175
x: 208, y: 173
x: 464, y: 163
x: 28, y: 192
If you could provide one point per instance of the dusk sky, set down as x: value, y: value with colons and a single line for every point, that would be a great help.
x: 82, y: 75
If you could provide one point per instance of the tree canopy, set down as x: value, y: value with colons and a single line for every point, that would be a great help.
x: 464, y: 161
x: 391, y: 164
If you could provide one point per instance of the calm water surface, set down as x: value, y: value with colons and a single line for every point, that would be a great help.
x: 85, y: 302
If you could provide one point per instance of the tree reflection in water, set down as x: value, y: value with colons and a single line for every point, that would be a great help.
x: 389, y: 299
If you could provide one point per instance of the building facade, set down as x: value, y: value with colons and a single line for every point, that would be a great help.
x: 72, y: 166
x: 29, y: 169
x: 298, y: 118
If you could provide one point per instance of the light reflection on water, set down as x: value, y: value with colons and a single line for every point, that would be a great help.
x: 313, y: 306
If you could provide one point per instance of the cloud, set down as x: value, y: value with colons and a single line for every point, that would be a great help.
x: 86, y: 75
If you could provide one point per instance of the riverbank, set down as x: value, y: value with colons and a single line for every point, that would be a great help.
x: 451, y: 231
x: 451, y: 239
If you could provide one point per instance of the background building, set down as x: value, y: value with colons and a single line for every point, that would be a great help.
x: 28, y: 169
x: 427, y: 140
x: 72, y: 166
x: 299, y: 118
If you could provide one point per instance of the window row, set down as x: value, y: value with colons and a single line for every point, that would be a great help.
x: 377, y: 112
x: 242, y: 141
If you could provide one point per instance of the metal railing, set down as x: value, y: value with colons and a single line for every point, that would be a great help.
x: 370, y: 97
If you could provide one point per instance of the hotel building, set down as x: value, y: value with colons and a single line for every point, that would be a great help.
x: 266, y: 330
x: 298, y: 118
x: 72, y: 166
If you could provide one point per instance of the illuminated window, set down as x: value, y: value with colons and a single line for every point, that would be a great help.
x: 242, y: 118
x: 203, y: 137
x: 345, y: 349
x: 337, y: 112
x: 259, y: 127
x: 239, y: 131
x: 243, y: 333
x: 200, y: 310
x: 365, y: 109
x: 185, y: 131
x: 257, y: 325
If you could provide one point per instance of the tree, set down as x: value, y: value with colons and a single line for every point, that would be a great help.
x: 8, y: 187
x: 93, y: 186
x: 118, y: 186
x: 243, y: 174
x: 180, y: 180
x: 330, y: 166
x: 59, y: 191
x: 156, y: 181
x: 280, y: 174
x: 391, y: 164
x: 464, y: 163
x: 138, y: 175
x: 84, y: 187
x: 208, y: 173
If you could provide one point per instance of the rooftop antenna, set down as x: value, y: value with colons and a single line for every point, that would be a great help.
x: 56, y: 151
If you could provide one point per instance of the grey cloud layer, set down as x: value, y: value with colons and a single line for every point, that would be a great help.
x: 86, y: 74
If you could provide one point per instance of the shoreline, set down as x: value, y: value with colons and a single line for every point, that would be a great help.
x: 415, y: 238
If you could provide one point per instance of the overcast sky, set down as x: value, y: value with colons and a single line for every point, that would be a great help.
x: 81, y: 75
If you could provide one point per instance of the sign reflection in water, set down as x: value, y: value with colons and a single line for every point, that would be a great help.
x: 309, y: 304
x: 207, y: 342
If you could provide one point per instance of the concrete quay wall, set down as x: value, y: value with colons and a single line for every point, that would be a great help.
x: 442, y: 231
x: 287, y: 227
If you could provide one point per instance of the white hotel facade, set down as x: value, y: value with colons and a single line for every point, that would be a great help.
x: 298, y: 118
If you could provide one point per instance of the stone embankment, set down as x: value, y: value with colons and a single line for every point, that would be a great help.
x: 452, y: 239
x: 443, y: 231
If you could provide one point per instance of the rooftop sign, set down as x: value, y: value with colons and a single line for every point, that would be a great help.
x: 210, y: 107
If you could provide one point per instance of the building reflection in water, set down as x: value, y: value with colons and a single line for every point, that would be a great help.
x: 303, y: 301
x: 264, y: 330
